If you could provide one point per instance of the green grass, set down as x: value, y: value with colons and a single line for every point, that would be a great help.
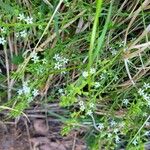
x: 89, y: 57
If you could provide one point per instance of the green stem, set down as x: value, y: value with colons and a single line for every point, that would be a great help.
x: 93, y: 36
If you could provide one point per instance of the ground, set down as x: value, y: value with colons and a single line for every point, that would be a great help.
x: 37, y: 135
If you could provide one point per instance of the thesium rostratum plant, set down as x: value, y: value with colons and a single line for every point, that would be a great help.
x: 90, y: 57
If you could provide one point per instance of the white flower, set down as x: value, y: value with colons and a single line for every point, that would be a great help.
x: 134, y: 142
x: 92, y: 70
x: 17, y: 34
x: 85, y: 74
x: 102, y: 76
x: 35, y: 92
x: 44, y: 61
x: 2, y: 40
x: 20, y: 92
x: 57, y: 57
x: 116, y: 131
x: 82, y: 107
x: 141, y: 92
x: 113, y: 123
x: 58, y: 65
x: 91, y: 105
x: 96, y: 84
x: 125, y: 101
x: 147, y: 124
x: 28, y: 20
x: 100, y: 126
x: 21, y: 17
x: 113, y: 52
x: 117, y: 139
x: 109, y: 135
x: 65, y: 60
x: 25, y: 88
x: 145, y: 114
x: 146, y: 86
x: 23, y: 33
x: 34, y: 57
x: 89, y: 112
x: 81, y: 103
x: 3, y: 30
x: 60, y: 91
x: 146, y: 96
x: 147, y: 133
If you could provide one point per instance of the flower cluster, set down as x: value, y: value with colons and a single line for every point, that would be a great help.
x: 60, y: 62
x: 85, y: 74
x: 21, y: 34
x: 27, y: 91
x: 82, y: 106
x: 28, y: 20
x: 144, y: 92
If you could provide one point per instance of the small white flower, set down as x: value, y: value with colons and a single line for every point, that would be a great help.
x: 17, y: 35
x: 60, y: 91
x: 125, y: 101
x: 2, y: 40
x: 91, y: 105
x: 3, y: 30
x: 58, y: 65
x: 100, y: 126
x: 35, y: 92
x: 82, y: 107
x: 147, y: 133
x: 21, y: 17
x: 85, y: 74
x: 96, y: 84
x: 57, y: 57
x: 34, y: 57
x: 81, y: 103
x: 23, y: 33
x: 146, y: 86
x: 44, y: 61
x: 65, y: 60
x: 89, y: 112
x: 146, y: 96
x: 109, y: 135
x: 134, y: 142
x: 116, y: 131
x: 92, y: 70
x: 20, y: 92
x: 147, y: 124
x: 102, y: 76
x: 113, y: 52
x: 117, y: 139
x: 141, y: 92
x: 28, y: 20
x: 26, y: 90
x: 145, y: 114
x: 113, y: 123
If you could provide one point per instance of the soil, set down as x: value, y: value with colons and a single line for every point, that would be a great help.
x: 38, y: 134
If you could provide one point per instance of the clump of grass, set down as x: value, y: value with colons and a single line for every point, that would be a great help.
x: 92, y: 58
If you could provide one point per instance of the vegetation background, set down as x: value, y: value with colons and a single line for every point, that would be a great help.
x: 90, y: 58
